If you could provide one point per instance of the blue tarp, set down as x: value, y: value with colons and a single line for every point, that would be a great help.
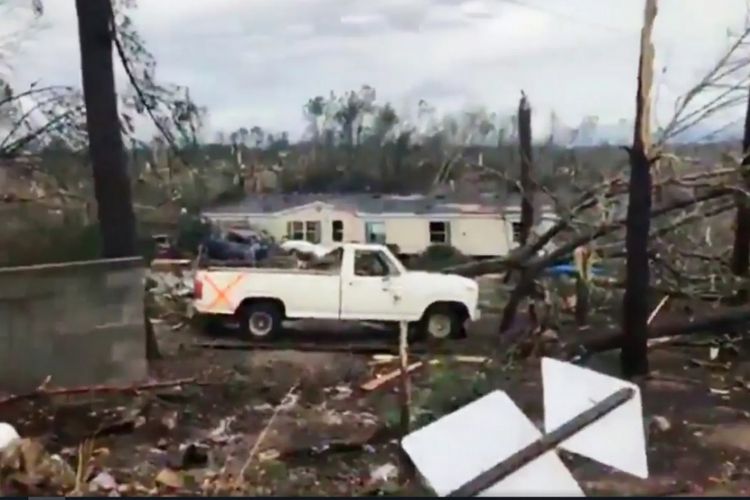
x: 570, y: 270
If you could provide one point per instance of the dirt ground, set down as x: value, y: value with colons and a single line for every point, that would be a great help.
x: 329, y: 437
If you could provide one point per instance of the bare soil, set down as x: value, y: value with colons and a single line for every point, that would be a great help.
x: 330, y: 435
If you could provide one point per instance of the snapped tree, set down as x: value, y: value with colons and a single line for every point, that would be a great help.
x: 527, y: 187
x: 634, y: 353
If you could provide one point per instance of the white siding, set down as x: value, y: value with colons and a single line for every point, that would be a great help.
x: 473, y: 235
x: 478, y: 236
x: 410, y: 234
x: 276, y: 224
x: 481, y: 237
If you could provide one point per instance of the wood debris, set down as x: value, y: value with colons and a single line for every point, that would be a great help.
x: 380, y: 380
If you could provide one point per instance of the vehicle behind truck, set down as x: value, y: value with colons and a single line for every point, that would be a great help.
x: 356, y: 282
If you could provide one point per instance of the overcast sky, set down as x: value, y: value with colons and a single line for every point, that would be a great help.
x: 256, y: 62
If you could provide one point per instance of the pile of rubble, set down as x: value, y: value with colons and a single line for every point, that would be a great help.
x: 168, y: 295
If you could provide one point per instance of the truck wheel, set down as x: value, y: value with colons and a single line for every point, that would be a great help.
x: 260, y: 320
x: 441, y: 322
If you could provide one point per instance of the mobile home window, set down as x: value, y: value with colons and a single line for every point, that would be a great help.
x: 440, y: 233
x: 295, y: 230
x: 299, y: 230
x: 312, y: 231
x: 375, y: 232
x: 337, y: 230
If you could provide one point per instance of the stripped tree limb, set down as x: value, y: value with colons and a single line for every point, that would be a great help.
x: 42, y: 391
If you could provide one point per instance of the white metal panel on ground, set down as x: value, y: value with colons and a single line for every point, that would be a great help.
x: 618, y: 439
x: 471, y: 440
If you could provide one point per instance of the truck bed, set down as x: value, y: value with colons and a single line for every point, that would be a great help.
x: 277, y: 262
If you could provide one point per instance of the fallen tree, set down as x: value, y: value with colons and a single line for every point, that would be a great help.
x: 612, y: 338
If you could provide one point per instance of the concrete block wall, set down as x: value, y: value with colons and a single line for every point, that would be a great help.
x: 80, y: 323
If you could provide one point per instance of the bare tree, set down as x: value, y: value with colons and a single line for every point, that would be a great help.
x: 634, y: 354
x: 111, y: 182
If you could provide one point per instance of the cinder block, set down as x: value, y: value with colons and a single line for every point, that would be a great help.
x: 81, y: 323
x: 125, y: 278
x: 129, y: 350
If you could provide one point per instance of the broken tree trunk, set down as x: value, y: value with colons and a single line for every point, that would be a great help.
x: 741, y: 250
x: 111, y: 183
x: 527, y: 185
x: 634, y: 353
x: 612, y: 339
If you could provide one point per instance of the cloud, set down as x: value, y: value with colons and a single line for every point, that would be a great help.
x: 257, y: 62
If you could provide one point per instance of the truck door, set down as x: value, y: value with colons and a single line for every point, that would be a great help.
x: 369, y: 288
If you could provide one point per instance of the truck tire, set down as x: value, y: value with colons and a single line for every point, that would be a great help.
x: 260, y: 320
x: 441, y: 322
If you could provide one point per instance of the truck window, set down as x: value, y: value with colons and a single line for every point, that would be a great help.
x: 373, y: 263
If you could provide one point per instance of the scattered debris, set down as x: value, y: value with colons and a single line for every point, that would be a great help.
x: 285, y: 403
x: 8, y: 435
x: 387, y: 377
x: 713, y: 365
x: 657, y: 309
x: 267, y: 455
x: 170, y: 478
x: 383, y: 473
x: 660, y: 423
x: 103, y: 482
x: 193, y: 455
x: 713, y: 353
x: 27, y: 469
x: 339, y: 392
x: 221, y: 433
x: 721, y: 392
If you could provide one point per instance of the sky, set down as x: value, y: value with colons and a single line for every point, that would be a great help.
x: 256, y: 62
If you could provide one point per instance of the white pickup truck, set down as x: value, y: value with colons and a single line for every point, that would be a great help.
x: 364, y: 282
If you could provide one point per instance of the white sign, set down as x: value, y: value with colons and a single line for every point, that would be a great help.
x: 460, y: 446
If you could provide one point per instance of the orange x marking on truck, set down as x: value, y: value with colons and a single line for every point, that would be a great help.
x: 221, y: 295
